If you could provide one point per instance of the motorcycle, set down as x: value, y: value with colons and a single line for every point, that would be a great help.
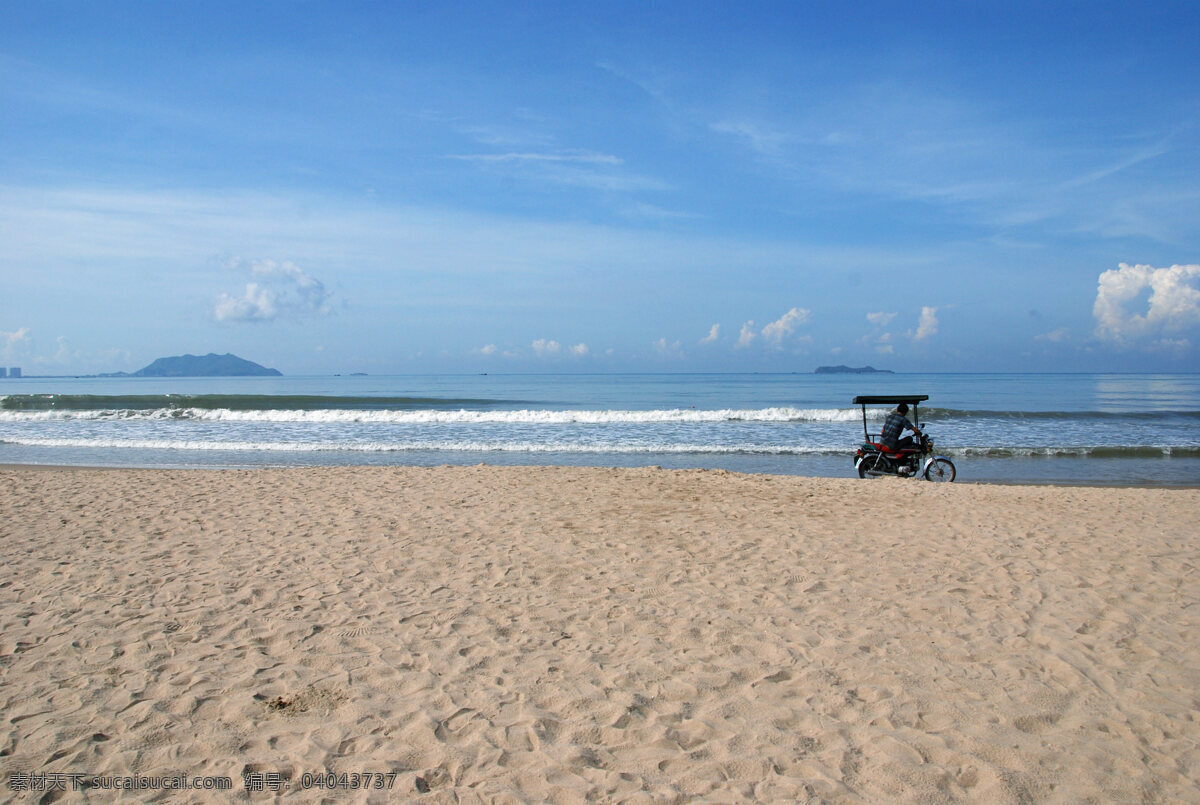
x: 873, y: 458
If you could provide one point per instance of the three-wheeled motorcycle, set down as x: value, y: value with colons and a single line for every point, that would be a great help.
x: 874, y: 458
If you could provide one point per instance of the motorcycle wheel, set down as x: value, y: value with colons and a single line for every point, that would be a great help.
x: 867, y: 464
x: 940, y: 471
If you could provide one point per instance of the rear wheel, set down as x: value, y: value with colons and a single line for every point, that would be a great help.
x: 940, y: 470
x: 866, y: 467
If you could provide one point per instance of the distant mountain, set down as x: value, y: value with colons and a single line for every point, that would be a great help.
x: 851, y: 370
x: 210, y: 365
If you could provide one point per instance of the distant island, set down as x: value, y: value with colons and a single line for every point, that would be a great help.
x: 210, y: 365
x: 851, y: 370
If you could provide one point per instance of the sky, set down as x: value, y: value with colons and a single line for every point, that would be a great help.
x: 411, y: 187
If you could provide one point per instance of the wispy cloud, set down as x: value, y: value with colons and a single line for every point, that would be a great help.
x: 653, y: 84
x: 889, y: 140
x: 714, y: 333
x: 587, y: 169
x: 583, y: 157
x: 499, y: 135
x: 1054, y: 336
x: 653, y: 212
x: 1121, y: 164
x: 761, y: 138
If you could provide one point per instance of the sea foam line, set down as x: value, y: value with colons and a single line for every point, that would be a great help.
x: 443, y: 417
x: 418, y: 446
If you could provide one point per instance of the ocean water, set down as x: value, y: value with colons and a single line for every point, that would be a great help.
x: 1058, y: 428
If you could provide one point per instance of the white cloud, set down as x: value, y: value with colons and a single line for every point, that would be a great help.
x: 256, y: 304
x: 282, y: 289
x: 881, y: 319
x: 713, y: 334
x: 1172, y: 303
x: 585, y: 157
x: 549, y: 348
x: 486, y: 350
x: 776, y: 331
x: 667, y: 349
x: 766, y: 141
x: 66, y: 358
x: 577, y: 168
x: 653, y: 212
x: 928, y: 325
x: 65, y: 355
x: 1055, y: 336
x: 15, y: 342
x: 546, y: 348
x: 746, y: 335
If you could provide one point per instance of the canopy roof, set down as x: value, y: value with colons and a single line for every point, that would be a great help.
x: 891, y: 399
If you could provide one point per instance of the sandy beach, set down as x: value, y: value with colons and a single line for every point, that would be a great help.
x: 565, y: 635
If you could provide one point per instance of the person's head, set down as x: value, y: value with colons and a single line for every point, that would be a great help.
x: 902, y: 409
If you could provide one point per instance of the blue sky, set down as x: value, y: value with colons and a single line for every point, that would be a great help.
x: 506, y: 187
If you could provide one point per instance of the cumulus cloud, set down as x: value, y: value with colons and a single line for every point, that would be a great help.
x: 486, y: 350
x: 1171, y: 304
x: 280, y: 289
x: 546, y: 348
x: 746, y: 336
x: 928, y: 324
x: 881, y: 319
x: 15, y: 341
x: 713, y: 334
x: 549, y: 348
x: 778, y: 330
x: 668, y: 349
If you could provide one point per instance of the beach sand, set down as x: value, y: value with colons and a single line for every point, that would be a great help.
x: 571, y: 634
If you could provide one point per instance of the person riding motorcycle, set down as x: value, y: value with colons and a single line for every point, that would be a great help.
x: 895, y: 424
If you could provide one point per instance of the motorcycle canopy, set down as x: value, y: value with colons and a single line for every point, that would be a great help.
x: 888, y: 399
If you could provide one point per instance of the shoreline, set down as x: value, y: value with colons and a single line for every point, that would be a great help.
x: 252, y: 468
x: 543, y: 633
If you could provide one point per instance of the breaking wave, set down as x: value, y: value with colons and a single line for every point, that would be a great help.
x: 428, y: 416
x: 456, y: 446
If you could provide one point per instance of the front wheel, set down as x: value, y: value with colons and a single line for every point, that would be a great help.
x: 940, y: 470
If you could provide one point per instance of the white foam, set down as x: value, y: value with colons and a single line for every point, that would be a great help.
x: 459, y: 417
x: 419, y: 446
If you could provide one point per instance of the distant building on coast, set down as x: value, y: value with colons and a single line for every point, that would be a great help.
x: 3, y: 372
x: 14, y: 371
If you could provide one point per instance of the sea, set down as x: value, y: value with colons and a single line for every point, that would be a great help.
x: 1090, y: 429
